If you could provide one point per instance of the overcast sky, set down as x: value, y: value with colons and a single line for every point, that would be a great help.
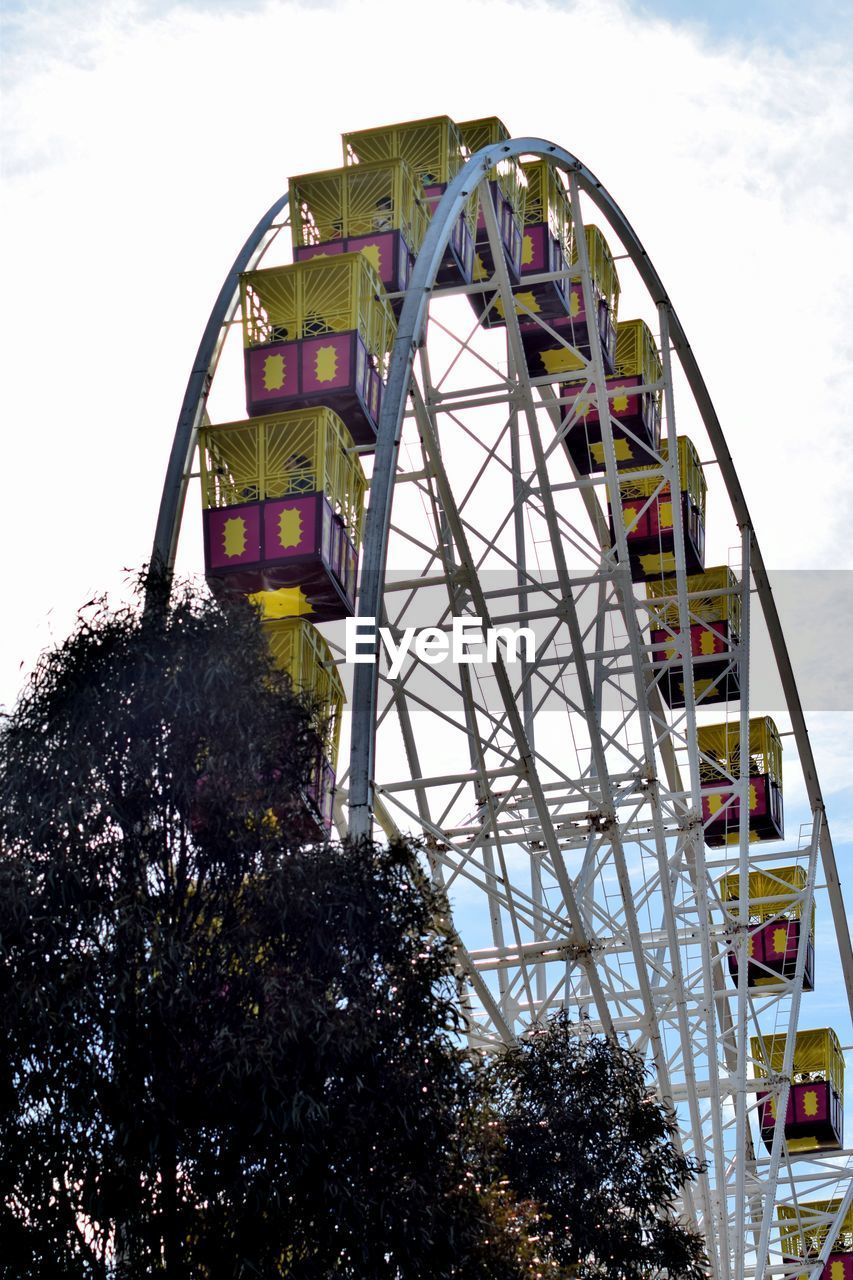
x: 142, y: 141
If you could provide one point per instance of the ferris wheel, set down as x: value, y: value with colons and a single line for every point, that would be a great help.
x: 465, y: 469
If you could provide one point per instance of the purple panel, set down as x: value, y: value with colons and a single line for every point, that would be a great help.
x: 759, y: 786
x: 385, y: 245
x: 811, y: 1104
x: 755, y: 952
x: 786, y: 931
x: 325, y: 250
x: 433, y: 194
x: 290, y: 527
x: 621, y: 406
x: 233, y: 536
x: 537, y: 237
x: 326, y: 363
x: 272, y: 374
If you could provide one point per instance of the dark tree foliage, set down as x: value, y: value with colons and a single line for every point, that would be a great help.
x: 585, y: 1140
x: 227, y: 1052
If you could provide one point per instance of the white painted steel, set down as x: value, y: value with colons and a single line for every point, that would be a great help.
x: 589, y: 887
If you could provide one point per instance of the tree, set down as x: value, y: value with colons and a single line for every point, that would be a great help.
x: 583, y: 1138
x: 229, y: 1052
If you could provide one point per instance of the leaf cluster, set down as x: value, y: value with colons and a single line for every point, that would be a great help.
x: 584, y: 1138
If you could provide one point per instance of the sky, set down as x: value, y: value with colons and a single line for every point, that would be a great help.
x: 142, y: 140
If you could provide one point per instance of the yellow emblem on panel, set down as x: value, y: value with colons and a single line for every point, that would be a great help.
x: 700, y: 687
x: 561, y: 360
x: 706, y: 643
x: 664, y: 515
x: 234, y: 536
x: 629, y: 515
x: 621, y: 448
x: 574, y: 304
x: 810, y: 1102
x: 479, y: 270
x: 753, y: 799
x: 658, y: 564
x: 715, y: 802
x: 290, y: 527
x: 750, y: 947
x: 526, y: 250
x: 325, y: 364
x: 373, y: 253
x: 274, y: 372
x: 780, y: 940
x: 620, y: 403
x: 529, y: 302
x: 836, y: 1271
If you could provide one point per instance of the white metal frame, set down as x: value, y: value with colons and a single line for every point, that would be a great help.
x: 595, y: 885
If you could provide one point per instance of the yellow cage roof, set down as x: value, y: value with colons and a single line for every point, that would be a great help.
x: 487, y: 132
x: 323, y: 295
x: 771, y: 892
x: 645, y: 481
x: 476, y: 134
x: 601, y: 266
x: 803, y: 1228
x: 280, y: 455
x: 433, y: 147
x: 703, y: 607
x: 357, y: 200
x: 817, y: 1051
x: 722, y: 743
x: 547, y: 200
x: 636, y: 352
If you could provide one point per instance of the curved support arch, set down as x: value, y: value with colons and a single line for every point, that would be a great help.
x: 410, y: 334
x: 198, y: 387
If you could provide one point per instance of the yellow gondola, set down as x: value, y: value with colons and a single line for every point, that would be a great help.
x: 298, y: 648
x: 775, y: 925
x: 377, y: 209
x: 719, y: 771
x: 814, y: 1115
x: 433, y: 149
x: 506, y: 188
x: 318, y: 333
x: 714, y: 626
x: 803, y: 1229
x: 565, y: 350
x: 283, y: 499
x: 647, y: 513
x: 633, y: 402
